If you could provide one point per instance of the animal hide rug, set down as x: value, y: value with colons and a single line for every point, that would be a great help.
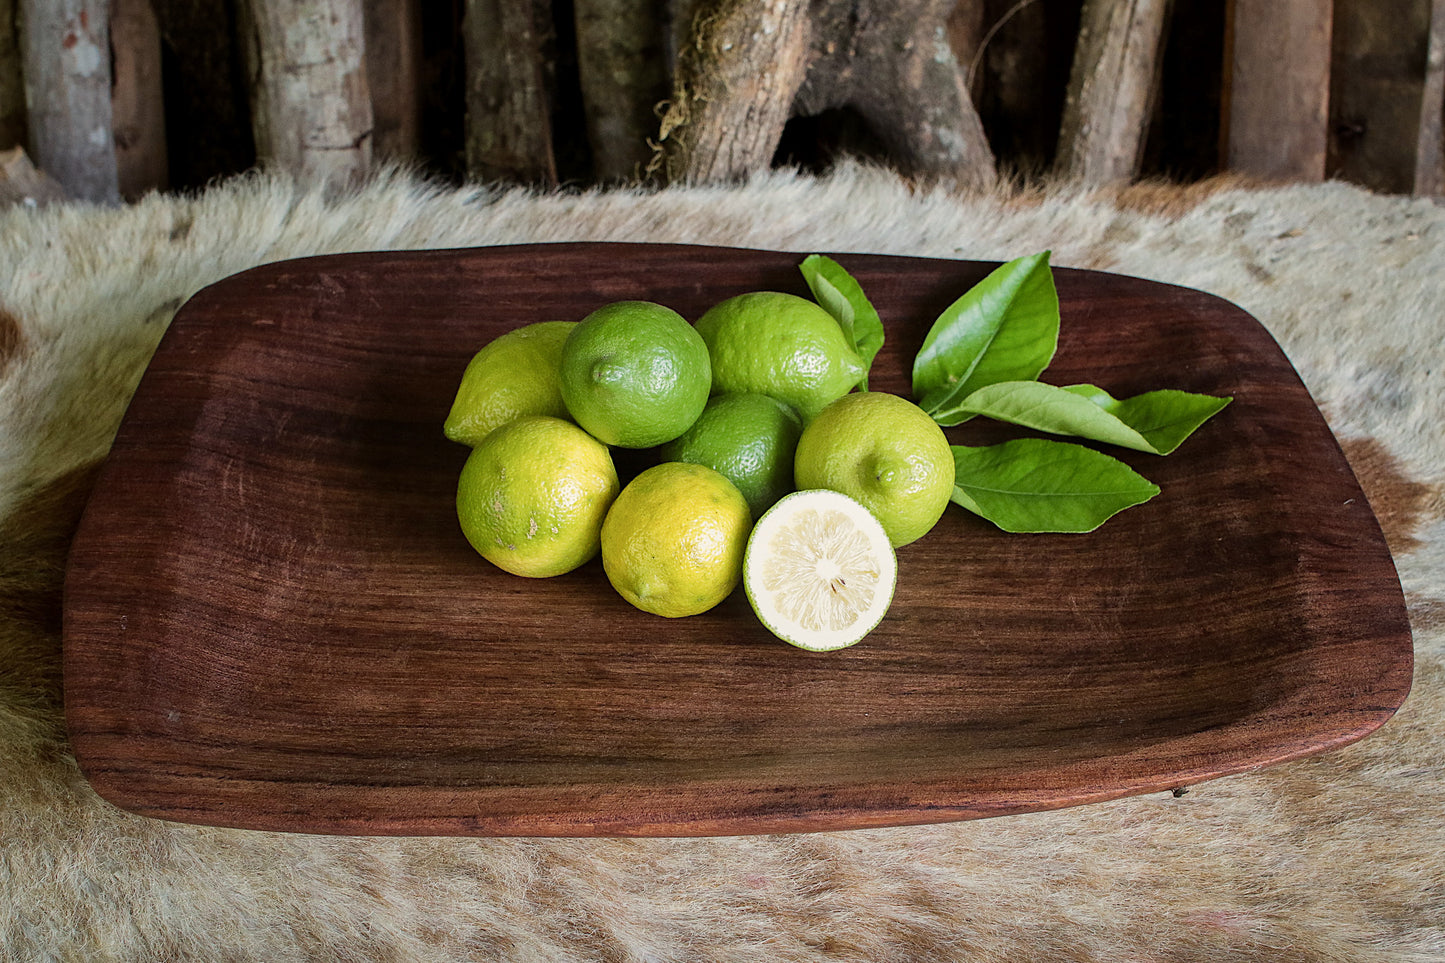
x: 1337, y: 857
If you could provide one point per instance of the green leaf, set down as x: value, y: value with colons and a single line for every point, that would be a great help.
x: 1042, y: 407
x: 1005, y: 328
x: 1036, y: 485
x: 1164, y: 418
x: 1155, y: 422
x: 841, y: 296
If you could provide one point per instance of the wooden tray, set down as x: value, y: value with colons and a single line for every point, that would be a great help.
x: 273, y: 621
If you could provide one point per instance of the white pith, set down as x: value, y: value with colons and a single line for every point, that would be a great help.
x: 820, y: 571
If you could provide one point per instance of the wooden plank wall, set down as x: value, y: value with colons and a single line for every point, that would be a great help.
x: 1293, y: 90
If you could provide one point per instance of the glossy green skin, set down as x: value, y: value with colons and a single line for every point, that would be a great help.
x: 635, y: 374
x: 779, y: 345
x: 750, y: 439
x: 885, y: 452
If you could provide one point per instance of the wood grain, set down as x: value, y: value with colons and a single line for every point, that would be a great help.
x: 272, y: 620
x: 1112, y: 89
x: 1277, y: 88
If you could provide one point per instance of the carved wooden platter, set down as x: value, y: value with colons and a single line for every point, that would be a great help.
x: 272, y: 620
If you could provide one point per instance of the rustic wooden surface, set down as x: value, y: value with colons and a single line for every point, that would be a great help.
x: 271, y: 619
x: 67, y: 68
x: 509, y: 111
x: 310, y: 106
x: 137, y: 106
x: 1277, y: 88
x: 393, y: 76
x: 1429, y: 175
x: 1112, y: 89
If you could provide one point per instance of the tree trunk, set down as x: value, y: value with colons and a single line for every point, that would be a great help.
x: 1112, y: 89
x: 509, y: 112
x: 750, y: 67
x: 311, y: 109
x: 1377, y: 79
x: 12, y: 82
x: 734, y: 90
x: 1278, y: 87
x: 393, y: 75
x: 137, y: 100
x: 1430, y: 141
x: 621, y: 61
x: 67, y: 87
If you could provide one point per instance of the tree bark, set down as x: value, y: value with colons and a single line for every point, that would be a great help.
x: 734, y: 90
x: 311, y: 109
x: 393, y: 76
x: 750, y: 67
x: 1277, y: 88
x: 137, y: 99
x: 1430, y: 141
x: 621, y: 61
x: 1112, y: 89
x: 509, y: 112
x: 1377, y: 79
x: 67, y: 87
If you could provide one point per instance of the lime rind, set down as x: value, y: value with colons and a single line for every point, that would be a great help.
x: 819, y: 571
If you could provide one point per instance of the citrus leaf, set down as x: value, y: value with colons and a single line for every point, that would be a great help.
x: 841, y: 296
x: 1042, y: 407
x: 1163, y: 418
x: 1005, y: 328
x: 1036, y: 485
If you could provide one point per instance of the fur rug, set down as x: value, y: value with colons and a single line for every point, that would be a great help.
x: 1340, y: 857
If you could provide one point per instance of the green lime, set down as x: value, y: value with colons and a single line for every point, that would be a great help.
x: 635, y: 374
x: 779, y: 345
x: 750, y: 438
x: 513, y: 375
x: 673, y: 542
x: 884, y: 451
x: 819, y: 570
x: 533, y: 494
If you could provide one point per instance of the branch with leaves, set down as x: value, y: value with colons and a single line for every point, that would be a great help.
x: 983, y: 357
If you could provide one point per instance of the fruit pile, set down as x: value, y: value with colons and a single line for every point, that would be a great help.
x: 774, y: 472
x: 749, y: 404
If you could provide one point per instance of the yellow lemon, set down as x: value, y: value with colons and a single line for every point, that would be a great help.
x: 673, y: 541
x: 513, y: 375
x: 533, y: 494
x: 884, y: 451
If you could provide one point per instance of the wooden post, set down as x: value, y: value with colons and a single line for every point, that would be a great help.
x: 750, y: 66
x: 66, y: 47
x: 621, y: 61
x: 137, y: 100
x: 1277, y: 85
x: 1430, y: 142
x: 509, y: 113
x: 1112, y: 89
x: 734, y: 90
x: 393, y: 74
x: 12, y: 82
x: 311, y: 109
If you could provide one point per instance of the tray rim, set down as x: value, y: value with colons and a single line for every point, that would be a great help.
x: 910, y: 815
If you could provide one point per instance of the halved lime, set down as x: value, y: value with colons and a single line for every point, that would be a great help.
x: 819, y: 570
